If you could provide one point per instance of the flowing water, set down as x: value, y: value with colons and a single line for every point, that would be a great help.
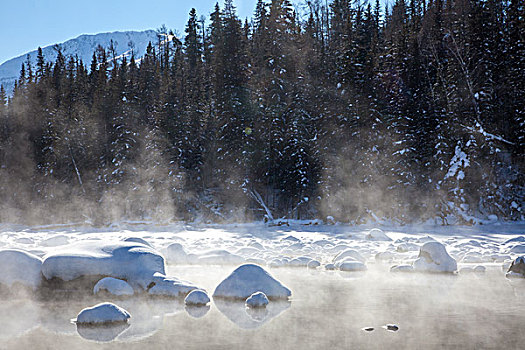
x: 328, y: 310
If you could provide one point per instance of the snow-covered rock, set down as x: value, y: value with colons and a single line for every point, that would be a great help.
x: 220, y: 257
x: 517, y: 268
x: 301, y: 261
x: 313, y: 264
x: 433, y: 257
x: 257, y: 299
x: 20, y: 267
x: 376, y: 234
x: 176, y: 254
x: 133, y: 262
x: 102, y: 313
x: 169, y: 286
x: 248, y: 279
x: 382, y: 256
x: 352, y: 265
x: 349, y: 253
x: 407, y: 247
x: 518, y: 249
x: 113, y: 286
x: 197, y: 297
x: 330, y: 267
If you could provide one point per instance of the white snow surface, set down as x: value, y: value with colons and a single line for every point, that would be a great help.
x: 17, y: 266
x: 257, y: 299
x: 102, y: 313
x: 433, y: 257
x: 113, y: 286
x: 197, y: 297
x: 248, y: 279
x: 489, y: 244
x: 133, y: 262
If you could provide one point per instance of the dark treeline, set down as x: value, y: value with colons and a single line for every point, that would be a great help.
x: 350, y: 111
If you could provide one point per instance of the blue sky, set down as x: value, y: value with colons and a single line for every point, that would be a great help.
x: 27, y: 24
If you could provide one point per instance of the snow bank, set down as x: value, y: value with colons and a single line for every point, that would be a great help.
x: 248, y: 279
x: 102, y: 313
x: 20, y: 267
x: 133, y: 262
x: 113, y: 286
x: 257, y: 299
x: 433, y: 257
x: 376, y: 234
x: 517, y: 268
x: 197, y: 298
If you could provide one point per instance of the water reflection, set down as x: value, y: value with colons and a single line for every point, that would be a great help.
x: 197, y: 311
x: 105, y: 333
x: 244, y: 318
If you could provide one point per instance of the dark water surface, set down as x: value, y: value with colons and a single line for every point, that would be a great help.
x: 328, y: 310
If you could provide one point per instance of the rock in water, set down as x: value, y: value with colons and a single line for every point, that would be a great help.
x: 433, y: 257
x: 197, y: 298
x: 391, y: 327
x: 517, y: 268
x: 256, y: 300
x: 103, y: 314
x: 130, y: 261
x: 169, y: 286
x: 368, y: 329
x: 20, y: 267
x: 248, y: 279
x: 113, y: 286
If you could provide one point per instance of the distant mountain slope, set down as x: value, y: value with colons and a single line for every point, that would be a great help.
x: 83, y: 46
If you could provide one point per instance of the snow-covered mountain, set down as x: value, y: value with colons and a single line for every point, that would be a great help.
x: 82, y: 46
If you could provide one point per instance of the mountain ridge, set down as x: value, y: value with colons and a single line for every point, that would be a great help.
x: 83, y: 46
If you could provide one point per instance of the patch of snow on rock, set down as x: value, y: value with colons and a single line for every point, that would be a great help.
x: 248, y: 279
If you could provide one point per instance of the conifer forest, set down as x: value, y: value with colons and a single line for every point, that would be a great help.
x: 347, y: 110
